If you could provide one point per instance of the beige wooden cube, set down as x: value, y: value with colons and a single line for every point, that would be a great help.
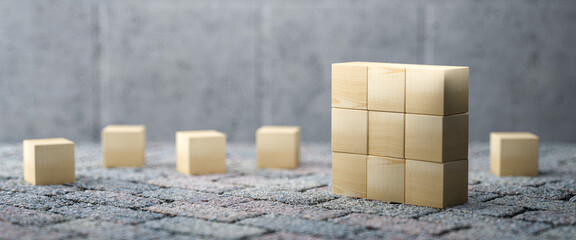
x: 386, y: 134
x: 514, y: 154
x: 49, y: 161
x: 201, y: 152
x: 386, y: 87
x: 385, y: 179
x: 349, y: 85
x: 436, y: 90
x: 436, y: 138
x: 349, y: 174
x: 278, y: 146
x: 124, y: 146
x: 349, y: 131
x: 438, y: 185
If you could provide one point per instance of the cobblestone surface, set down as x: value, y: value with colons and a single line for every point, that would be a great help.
x: 157, y: 202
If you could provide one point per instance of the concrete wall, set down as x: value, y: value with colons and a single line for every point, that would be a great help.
x: 70, y: 67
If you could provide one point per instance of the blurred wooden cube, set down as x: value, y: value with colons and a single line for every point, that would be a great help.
x: 201, y: 152
x: 438, y: 185
x: 124, y: 145
x: 436, y: 138
x: 386, y: 134
x: 349, y: 174
x: 349, y: 85
x: 385, y: 179
x: 278, y: 146
x: 49, y: 161
x: 514, y: 154
x: 386, y: 87
x: 436, y: 90
x: 349, y: 131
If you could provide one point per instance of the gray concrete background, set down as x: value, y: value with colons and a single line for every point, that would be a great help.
x: 68, y: 68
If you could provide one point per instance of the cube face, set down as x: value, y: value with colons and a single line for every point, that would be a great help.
x: 386, y: 88
x: 385, y: 179
x: 386, y: 134
x: 201, y: 152
x: 514, y: 154
x: 437, y: 185
x: 124, y: 146
x: 436, y: 90
x: 436, y: 138
x: 349, y: 131
x: 349, y: 85
x: 349, y: 174
x: 278, y: 146
x: 49, y: 161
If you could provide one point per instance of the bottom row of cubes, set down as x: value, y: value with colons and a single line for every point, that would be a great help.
x: 422, y: 183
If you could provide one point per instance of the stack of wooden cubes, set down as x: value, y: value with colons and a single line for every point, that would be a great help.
x: 400, y: 133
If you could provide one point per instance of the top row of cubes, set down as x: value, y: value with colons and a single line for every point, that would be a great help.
x: 405, y: 88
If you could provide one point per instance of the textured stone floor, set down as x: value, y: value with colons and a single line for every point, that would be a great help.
x: 156, y: 202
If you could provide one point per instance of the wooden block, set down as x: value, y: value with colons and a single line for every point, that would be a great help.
x: 350, y: 131
x: 278, y: 146
x: 386, y: 87
x: 438, y: 185
x: 349, y: 85
x: 436, y: 138
x: 386, y: 134
x: 124, y: 145
x: 201, y: 152
x: 436, y: 90
x: 514, y: 154
x: 49, y: 161
x: 349, y: 174
x: 385, y: 179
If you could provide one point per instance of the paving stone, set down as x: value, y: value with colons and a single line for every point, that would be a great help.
x: 204, y: 228
x: 113, y: 185
x: 392, y: 224
x: 564, y: 185
x: 106, y: 230
x: 488, y: 209
x: 564, y: 217
x: 377, y: 207
x: 194, y: 184
x: 279, y: 195
x: 573, y: 199
x: 22, y: 216
x: 117, y: 199
x: 286, y: 236
x: 383, y: 234
x: 141, y: 175
x: 225, y: 201
x: 308, y: 212
x: 481, y: 196
x: 106, y: 213
x: 202, y: 211
x: 18, y: 185
x: 565, y: 232
x: 289, y: 184
x: 11, y: 231
x: 31, y: 201
x: 296, y: 225
x: 534, y: 203
x: 510, y: 189
x: 487, y: 233
x: 179, y: 194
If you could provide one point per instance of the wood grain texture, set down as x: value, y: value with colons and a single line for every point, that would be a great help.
x: 349, y: 174
x: 201, y: 152
x: 386, y: 134
x: 49, y: 161
x: 349, y: 131
x: 124, y: 146
x: 436, y: 90
x: 436, y: 138
x: 278, y: 146
x: 385, y: 179
x: 349, y: 85
x: 386, y: 87
x: 438, y: 185
x: 514, y: 153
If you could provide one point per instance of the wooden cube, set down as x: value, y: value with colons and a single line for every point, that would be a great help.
x: 201, y: 152
x: 385, y: 179
x: 386, y: 134
x: 386, y: 87
x: 124, y: 145
x: 436, y: 138
x: 349, y: 174
x: 436, y: 90
x: 349, y: 85
x: 49, y: 161
x: 349, y: 131
x: 437, y: 185
x: 278, y: 146
x: 514, y: 154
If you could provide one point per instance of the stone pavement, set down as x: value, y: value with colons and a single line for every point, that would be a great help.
x: 156, y: 202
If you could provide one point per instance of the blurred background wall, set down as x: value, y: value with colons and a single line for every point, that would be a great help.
x: 70, y: 67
